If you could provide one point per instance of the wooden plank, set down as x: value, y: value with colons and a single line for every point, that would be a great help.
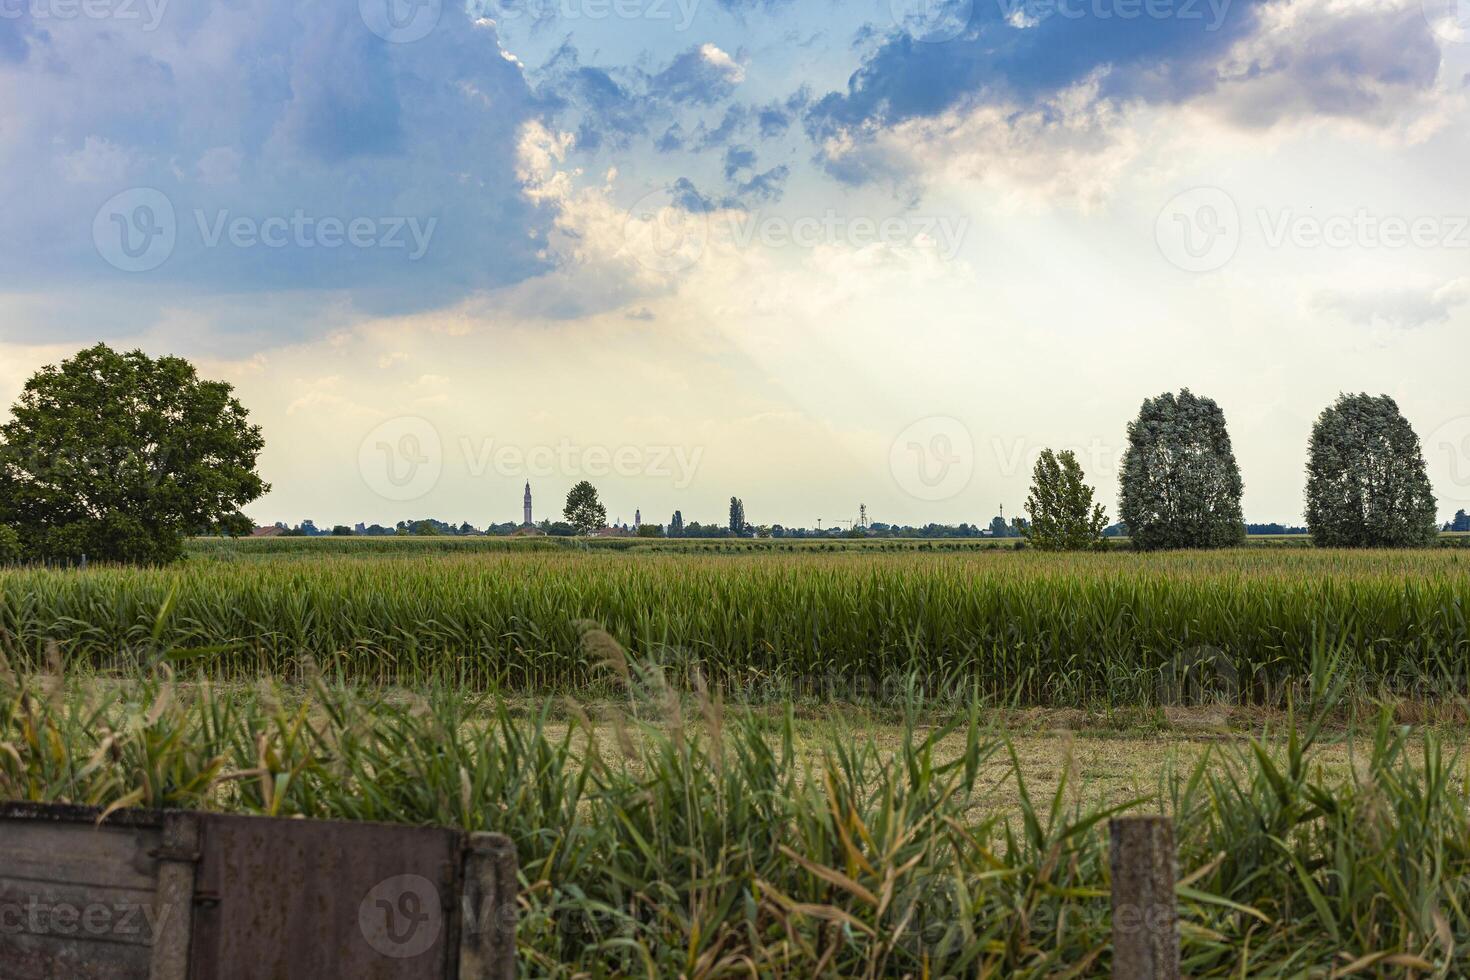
x: 79, y: 853
x: 28, y: 957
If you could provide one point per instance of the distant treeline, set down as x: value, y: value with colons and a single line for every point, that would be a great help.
x: 997, y: 528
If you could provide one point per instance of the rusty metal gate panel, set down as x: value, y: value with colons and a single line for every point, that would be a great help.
x: 77, y: 901
x: 306, y: 900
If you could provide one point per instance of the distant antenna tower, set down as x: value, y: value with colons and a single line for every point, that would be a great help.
x: 863, y: 516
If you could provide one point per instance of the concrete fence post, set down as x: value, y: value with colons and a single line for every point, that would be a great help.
x: 1145, y: 916
x: 177, y: 860
x: 487, y: 943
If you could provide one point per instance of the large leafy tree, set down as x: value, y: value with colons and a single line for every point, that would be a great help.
x: 583, y: 510
x: 121, y: 456
x: 1181, y: 487
x: 1063, y: 516
x: 1366, y: 482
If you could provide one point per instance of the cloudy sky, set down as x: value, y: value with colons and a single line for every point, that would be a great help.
x: 812, y: 253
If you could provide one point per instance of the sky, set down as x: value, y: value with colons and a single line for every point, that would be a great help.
x: 813, y: 254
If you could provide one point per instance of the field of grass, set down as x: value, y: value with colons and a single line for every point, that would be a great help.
x: 1245, y: 626
x: 816, y: 762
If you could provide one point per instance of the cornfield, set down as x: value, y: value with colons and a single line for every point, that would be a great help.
x: 1025, y: 628
x: 705, y: 846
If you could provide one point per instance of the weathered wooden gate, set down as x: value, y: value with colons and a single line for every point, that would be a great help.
x: 170, y: 895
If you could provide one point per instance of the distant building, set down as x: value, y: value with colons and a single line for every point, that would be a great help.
x: 274, y: 531
x: 526, y: 516
x: 637, y: 520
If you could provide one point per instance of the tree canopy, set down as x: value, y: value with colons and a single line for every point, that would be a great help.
x: 121, y: 456
x: 583, y: 510
x: 1181, y: 487
x: 1063, y: 516
x: 1366, y: 481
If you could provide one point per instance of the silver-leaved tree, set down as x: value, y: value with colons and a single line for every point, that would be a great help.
x: 1366, y: 482
x: 1181, y: 487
